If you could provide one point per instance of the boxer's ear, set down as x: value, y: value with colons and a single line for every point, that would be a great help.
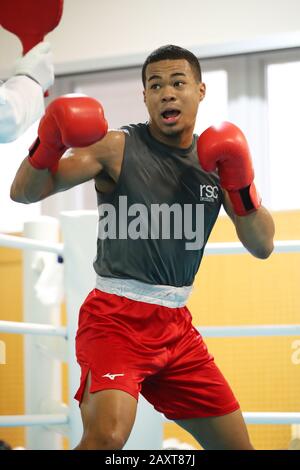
x: 202, y: 91
x: 30, y: 20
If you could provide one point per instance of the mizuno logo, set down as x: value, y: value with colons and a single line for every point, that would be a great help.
x: 112, y: 376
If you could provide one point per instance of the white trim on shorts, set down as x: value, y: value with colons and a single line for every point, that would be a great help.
x: 167, y: 296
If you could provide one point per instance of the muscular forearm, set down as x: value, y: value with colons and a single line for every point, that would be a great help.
x: 256, y: 232
x: 31, y: 185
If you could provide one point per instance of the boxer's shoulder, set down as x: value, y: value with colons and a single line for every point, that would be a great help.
x: 110, y: 148
x: 109, y: 152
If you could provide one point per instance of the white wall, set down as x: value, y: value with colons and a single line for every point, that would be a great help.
x: 91, y: 30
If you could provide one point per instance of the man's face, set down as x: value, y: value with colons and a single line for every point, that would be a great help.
x: 172, y: 96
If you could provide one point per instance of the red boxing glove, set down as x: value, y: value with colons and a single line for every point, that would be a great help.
x: 225, y: 148
x: 69, y: 121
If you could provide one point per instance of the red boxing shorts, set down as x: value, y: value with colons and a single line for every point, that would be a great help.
x: 140, y: 347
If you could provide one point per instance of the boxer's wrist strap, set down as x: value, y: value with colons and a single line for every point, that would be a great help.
x: 246, y: 200
x: 53, y: 169
x: 39, y: 160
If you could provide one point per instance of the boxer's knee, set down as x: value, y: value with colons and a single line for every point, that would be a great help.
x: 112, y: 439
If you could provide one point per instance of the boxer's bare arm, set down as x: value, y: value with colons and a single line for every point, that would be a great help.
x: 255, y: 231
x: 78, y: 166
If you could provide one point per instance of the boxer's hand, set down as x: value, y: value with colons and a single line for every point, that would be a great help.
x: 38, y: 65
x: 225, y: 148
x: 69, y: 121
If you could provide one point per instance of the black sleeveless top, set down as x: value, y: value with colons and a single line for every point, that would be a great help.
x: 154, y: 225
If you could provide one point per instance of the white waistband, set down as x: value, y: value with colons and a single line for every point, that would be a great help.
x: 167, y: 296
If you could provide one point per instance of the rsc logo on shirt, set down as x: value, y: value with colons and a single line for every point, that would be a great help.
x: 208, y: 193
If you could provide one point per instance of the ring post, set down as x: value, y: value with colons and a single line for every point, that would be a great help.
x: 42, y: 373
x: 79, y: 237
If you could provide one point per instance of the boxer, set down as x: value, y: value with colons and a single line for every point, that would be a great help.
x: 135, y: 333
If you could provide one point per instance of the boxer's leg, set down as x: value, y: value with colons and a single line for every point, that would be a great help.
x: 192, y: 391
x: 226, y: 432
x: 108, y: 417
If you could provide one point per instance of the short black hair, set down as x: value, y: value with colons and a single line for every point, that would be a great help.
x: 171, y: 52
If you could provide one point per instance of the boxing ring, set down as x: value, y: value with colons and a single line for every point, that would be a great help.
x: 48, y: 344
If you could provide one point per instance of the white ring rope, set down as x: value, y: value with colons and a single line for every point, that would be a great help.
x: 32, y: 329
x: 271, y: 417
x: 33, y: 420
x: 249, y: 330
x: 228, y: 248
x: 266, y: 417
x: 206, y: 331
x: 251, y: 417
x: 235, y: 248
x: 23, y: 243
